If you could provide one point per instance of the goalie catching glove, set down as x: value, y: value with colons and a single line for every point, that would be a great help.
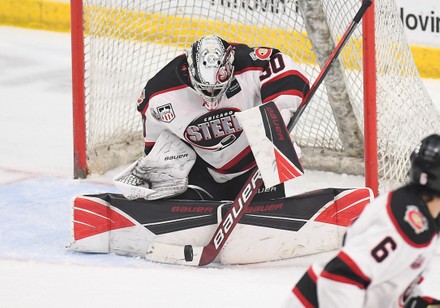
x: 161, y: 174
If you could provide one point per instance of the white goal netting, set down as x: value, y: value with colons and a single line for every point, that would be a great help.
x: 127, y: 42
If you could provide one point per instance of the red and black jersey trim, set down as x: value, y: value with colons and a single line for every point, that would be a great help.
x: 429, y: 300
x: 242, y: 162
x: 305, y: 289
x: 397, y: 204
x: 246, y: 69
x: 343, y: 269
x: 148, y: 147
x: 289, y: 83
x: 172, y: 77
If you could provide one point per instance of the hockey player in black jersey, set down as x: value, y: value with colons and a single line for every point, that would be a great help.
x: 387, y: 249
x: 195, y: 147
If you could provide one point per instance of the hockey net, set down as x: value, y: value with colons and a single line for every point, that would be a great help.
x: 124, y: 43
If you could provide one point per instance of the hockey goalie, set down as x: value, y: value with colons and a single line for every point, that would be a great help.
x: 217, y: 152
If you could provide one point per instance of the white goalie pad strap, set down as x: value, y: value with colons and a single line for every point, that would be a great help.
x: 162, y: 173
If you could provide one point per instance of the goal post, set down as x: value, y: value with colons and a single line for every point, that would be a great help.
x: 78, y: 88
x: 367, y: 116
x: 370, y: 110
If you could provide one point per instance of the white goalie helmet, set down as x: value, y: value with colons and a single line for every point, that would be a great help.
x: 210, y: 68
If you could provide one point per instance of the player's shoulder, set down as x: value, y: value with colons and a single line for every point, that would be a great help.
x: 411, y: 218
x: 172, y: 76
x: 247, y: 57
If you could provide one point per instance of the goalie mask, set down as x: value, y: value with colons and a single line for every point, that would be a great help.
x: 425, y: 163
x: 210, y: 68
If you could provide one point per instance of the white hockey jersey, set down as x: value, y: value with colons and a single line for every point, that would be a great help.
x: 168, y: 102
x: 381, y: 263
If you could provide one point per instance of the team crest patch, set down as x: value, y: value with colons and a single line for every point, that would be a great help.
x: 416, y: 219
x: 165, y: 113
x: 261, y: 53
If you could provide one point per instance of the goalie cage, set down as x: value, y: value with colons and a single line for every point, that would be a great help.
x: 118, y: 45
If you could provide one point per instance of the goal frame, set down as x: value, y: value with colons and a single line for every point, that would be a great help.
x: 370, y: 110
x: 78, y: 90
x: 80, y: 169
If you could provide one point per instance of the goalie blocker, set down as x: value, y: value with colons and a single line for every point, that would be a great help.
x: 278, y: 229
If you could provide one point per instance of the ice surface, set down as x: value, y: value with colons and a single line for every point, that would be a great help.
x: 36, y: 188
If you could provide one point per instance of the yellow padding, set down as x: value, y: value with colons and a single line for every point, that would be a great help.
x: 46, y: 15
x: 427, y: 61
x: 183, y: 31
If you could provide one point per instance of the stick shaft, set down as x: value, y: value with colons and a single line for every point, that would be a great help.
x: 328, y: 64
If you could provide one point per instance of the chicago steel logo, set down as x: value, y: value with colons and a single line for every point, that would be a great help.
x: 214, y: 130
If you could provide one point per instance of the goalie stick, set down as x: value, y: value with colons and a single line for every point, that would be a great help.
x: 204, y: 255
x: 331, y: 59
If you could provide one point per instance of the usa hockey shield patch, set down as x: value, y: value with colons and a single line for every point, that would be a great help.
x: 166, y: 113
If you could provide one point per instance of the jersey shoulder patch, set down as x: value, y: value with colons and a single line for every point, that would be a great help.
x: 411, y: 218
x: 252, y: 57
x: 261, y: 53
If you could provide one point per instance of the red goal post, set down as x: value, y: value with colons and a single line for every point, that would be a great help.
x: 370, y: 116
x: 78, y: 88
x: 370, y: 113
